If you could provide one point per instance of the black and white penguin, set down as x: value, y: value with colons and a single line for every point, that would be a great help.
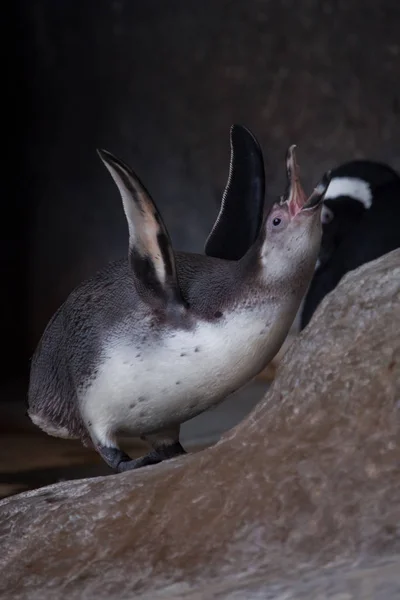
x: 360, y: 217
x: 152, y: 341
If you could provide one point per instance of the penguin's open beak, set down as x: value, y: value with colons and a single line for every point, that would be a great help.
x: 295, y: 196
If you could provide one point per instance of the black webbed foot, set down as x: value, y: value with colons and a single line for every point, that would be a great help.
x: 121, y: 462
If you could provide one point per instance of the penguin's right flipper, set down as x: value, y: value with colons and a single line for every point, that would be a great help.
x: 150, y: 251
x: 242, y: 207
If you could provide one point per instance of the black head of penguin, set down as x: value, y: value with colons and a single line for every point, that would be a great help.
x: 352, y: 189
x: 361, y: 226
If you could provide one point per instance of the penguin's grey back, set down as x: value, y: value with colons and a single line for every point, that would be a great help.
x: 51, y: 394
x: 66, y: 356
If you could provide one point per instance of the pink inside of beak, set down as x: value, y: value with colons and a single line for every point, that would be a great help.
x: 297, y: 197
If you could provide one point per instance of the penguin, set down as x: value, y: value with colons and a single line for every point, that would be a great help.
x: 360, y: 221
x: 153, y: 340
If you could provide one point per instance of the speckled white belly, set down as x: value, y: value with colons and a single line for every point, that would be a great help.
x: 142, y: 389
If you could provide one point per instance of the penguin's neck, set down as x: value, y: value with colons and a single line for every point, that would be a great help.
x: 212, y: 287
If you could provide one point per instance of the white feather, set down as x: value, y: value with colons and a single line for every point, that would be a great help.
x: 355, y: 188
x: 179, y: 377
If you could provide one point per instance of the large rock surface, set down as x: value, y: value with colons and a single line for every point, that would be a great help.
x: 303, y: 496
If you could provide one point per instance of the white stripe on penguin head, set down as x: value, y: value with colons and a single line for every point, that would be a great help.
x: 355, y: 188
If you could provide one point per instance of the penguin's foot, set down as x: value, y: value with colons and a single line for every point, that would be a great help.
x: 166, y: 451
x: 121, y: 462
x: 165, y: 443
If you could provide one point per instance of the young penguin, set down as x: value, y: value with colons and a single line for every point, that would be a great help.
x: 153, y: 341
x: 360, y: 218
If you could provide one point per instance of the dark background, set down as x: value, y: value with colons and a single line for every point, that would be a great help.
x: 159, y: 83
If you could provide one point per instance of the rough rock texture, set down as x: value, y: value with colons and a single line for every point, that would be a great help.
x: 307, y: 486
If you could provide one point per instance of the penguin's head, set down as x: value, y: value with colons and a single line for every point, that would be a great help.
x: 293, y: 226
x: 351, y: 192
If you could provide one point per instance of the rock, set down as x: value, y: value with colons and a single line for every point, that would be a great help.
x: 289, y: 501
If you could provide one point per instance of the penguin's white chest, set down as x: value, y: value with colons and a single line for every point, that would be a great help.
x: 140, y: 389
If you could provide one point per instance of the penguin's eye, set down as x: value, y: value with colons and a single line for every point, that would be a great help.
x: 326, y: 215
x: 278, y: 221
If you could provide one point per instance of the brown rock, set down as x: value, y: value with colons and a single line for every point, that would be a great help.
x: 311, y: 478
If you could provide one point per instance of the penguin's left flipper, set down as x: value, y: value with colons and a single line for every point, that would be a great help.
x: 242, y: 207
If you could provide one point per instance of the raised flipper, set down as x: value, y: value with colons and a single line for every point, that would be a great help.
x: 150, y: 251
x: 242, y: 207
